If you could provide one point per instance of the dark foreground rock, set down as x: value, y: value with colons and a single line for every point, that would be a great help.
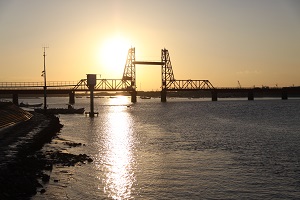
x: 25, y: 173
x: 66, y: 159
x: 19, y: 174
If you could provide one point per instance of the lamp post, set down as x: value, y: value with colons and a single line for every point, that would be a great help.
x: 45, y: 83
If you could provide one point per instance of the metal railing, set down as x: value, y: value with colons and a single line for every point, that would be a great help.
x: 37, y: 85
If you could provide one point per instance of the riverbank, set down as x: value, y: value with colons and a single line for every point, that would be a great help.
x: 21, y: 161
x: 24, y: 166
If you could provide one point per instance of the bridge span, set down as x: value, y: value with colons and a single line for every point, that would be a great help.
x: 128, y: 84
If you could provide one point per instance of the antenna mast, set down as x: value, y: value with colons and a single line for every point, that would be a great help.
x: 45, y: 80
x: 239, y: 84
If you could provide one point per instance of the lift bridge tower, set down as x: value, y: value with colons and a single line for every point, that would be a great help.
x: 167, y: 75
x: 169, y: 83
x: 129, y: 74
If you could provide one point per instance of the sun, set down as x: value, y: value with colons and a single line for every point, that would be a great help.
x: 113, y: 55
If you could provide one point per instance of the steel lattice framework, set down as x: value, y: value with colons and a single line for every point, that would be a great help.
x: 166, y: 69
x: 178, y: 85
x: 127, y: 83
x: 105, y: 85
x: 129, y: 70
x: 169, y: 82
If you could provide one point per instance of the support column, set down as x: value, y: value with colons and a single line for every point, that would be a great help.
x: 250, y: 96
x: 71, y: 97
x: 284, y: 95
x: 133, y: 96
x: 91, y: 82
x: 163, y: 95
x: 92, y: 114
x: 214, y: 96
x: 45, y: 97
x: 16, y: 99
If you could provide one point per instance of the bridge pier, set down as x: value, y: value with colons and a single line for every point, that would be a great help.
x: 163, y: 96
x: 15, y: 99
x: 214, y: 96
x: 133, y: 96
x: 92, y: 102
x: 91, y: 82
x: 250, y: 96
x: 72, y: 97
x: 284, y: 95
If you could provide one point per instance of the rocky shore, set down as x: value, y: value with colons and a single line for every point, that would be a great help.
x: 24, y: 166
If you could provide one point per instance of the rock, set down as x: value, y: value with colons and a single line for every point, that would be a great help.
x: 45, y: 178
x: 42, y: 191
x: 19, y: 176
x: 48, y: 167
x: 72, y: 144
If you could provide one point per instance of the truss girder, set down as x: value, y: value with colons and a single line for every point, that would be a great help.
x: 189, y: 85
x: 113, y: 84
x: 81, y: 84
x: 169, y: 82
x: 105, y: 85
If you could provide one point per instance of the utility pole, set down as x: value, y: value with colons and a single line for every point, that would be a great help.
x: 45, y: 80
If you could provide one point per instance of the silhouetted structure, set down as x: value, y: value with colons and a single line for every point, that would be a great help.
x: 128, y: 84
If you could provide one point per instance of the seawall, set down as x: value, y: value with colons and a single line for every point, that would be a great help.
x: 22, y: 136
x: 11, y: 114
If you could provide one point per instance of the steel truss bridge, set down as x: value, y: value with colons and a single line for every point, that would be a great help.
x: 128, y: 83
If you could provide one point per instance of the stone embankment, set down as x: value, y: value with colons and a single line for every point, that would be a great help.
x: 22, y: 162
x: 11, y: 114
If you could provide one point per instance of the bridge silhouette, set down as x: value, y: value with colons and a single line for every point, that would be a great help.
x: 128, y: 84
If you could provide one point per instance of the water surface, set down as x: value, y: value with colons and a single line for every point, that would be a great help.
x: 182, y: 149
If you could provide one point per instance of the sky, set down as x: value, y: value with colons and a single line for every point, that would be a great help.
x: 254, y: 42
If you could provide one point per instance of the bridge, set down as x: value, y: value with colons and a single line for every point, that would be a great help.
x: 128, y: 84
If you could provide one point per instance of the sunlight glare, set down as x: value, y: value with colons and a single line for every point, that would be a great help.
x: 119, y: 160
x: 113, y: 55
x: 119, y: 101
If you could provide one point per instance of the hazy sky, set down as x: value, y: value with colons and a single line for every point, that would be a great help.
x: 255, y: 42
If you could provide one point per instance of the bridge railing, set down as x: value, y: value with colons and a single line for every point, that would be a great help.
x: 61, y: 83
x: 248, y: 88
x: 102, y: 85
x: 11, y: 85
x: 37, y: 85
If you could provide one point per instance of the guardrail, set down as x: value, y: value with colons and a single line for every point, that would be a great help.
x: 247, y: 88
x: 37, y: 85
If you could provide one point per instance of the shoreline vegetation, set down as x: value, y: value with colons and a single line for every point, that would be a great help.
x: 25, y: 167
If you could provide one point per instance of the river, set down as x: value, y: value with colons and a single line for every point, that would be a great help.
x: 182, y: 149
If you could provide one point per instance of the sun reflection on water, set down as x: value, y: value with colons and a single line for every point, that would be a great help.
x: 118, y: 158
